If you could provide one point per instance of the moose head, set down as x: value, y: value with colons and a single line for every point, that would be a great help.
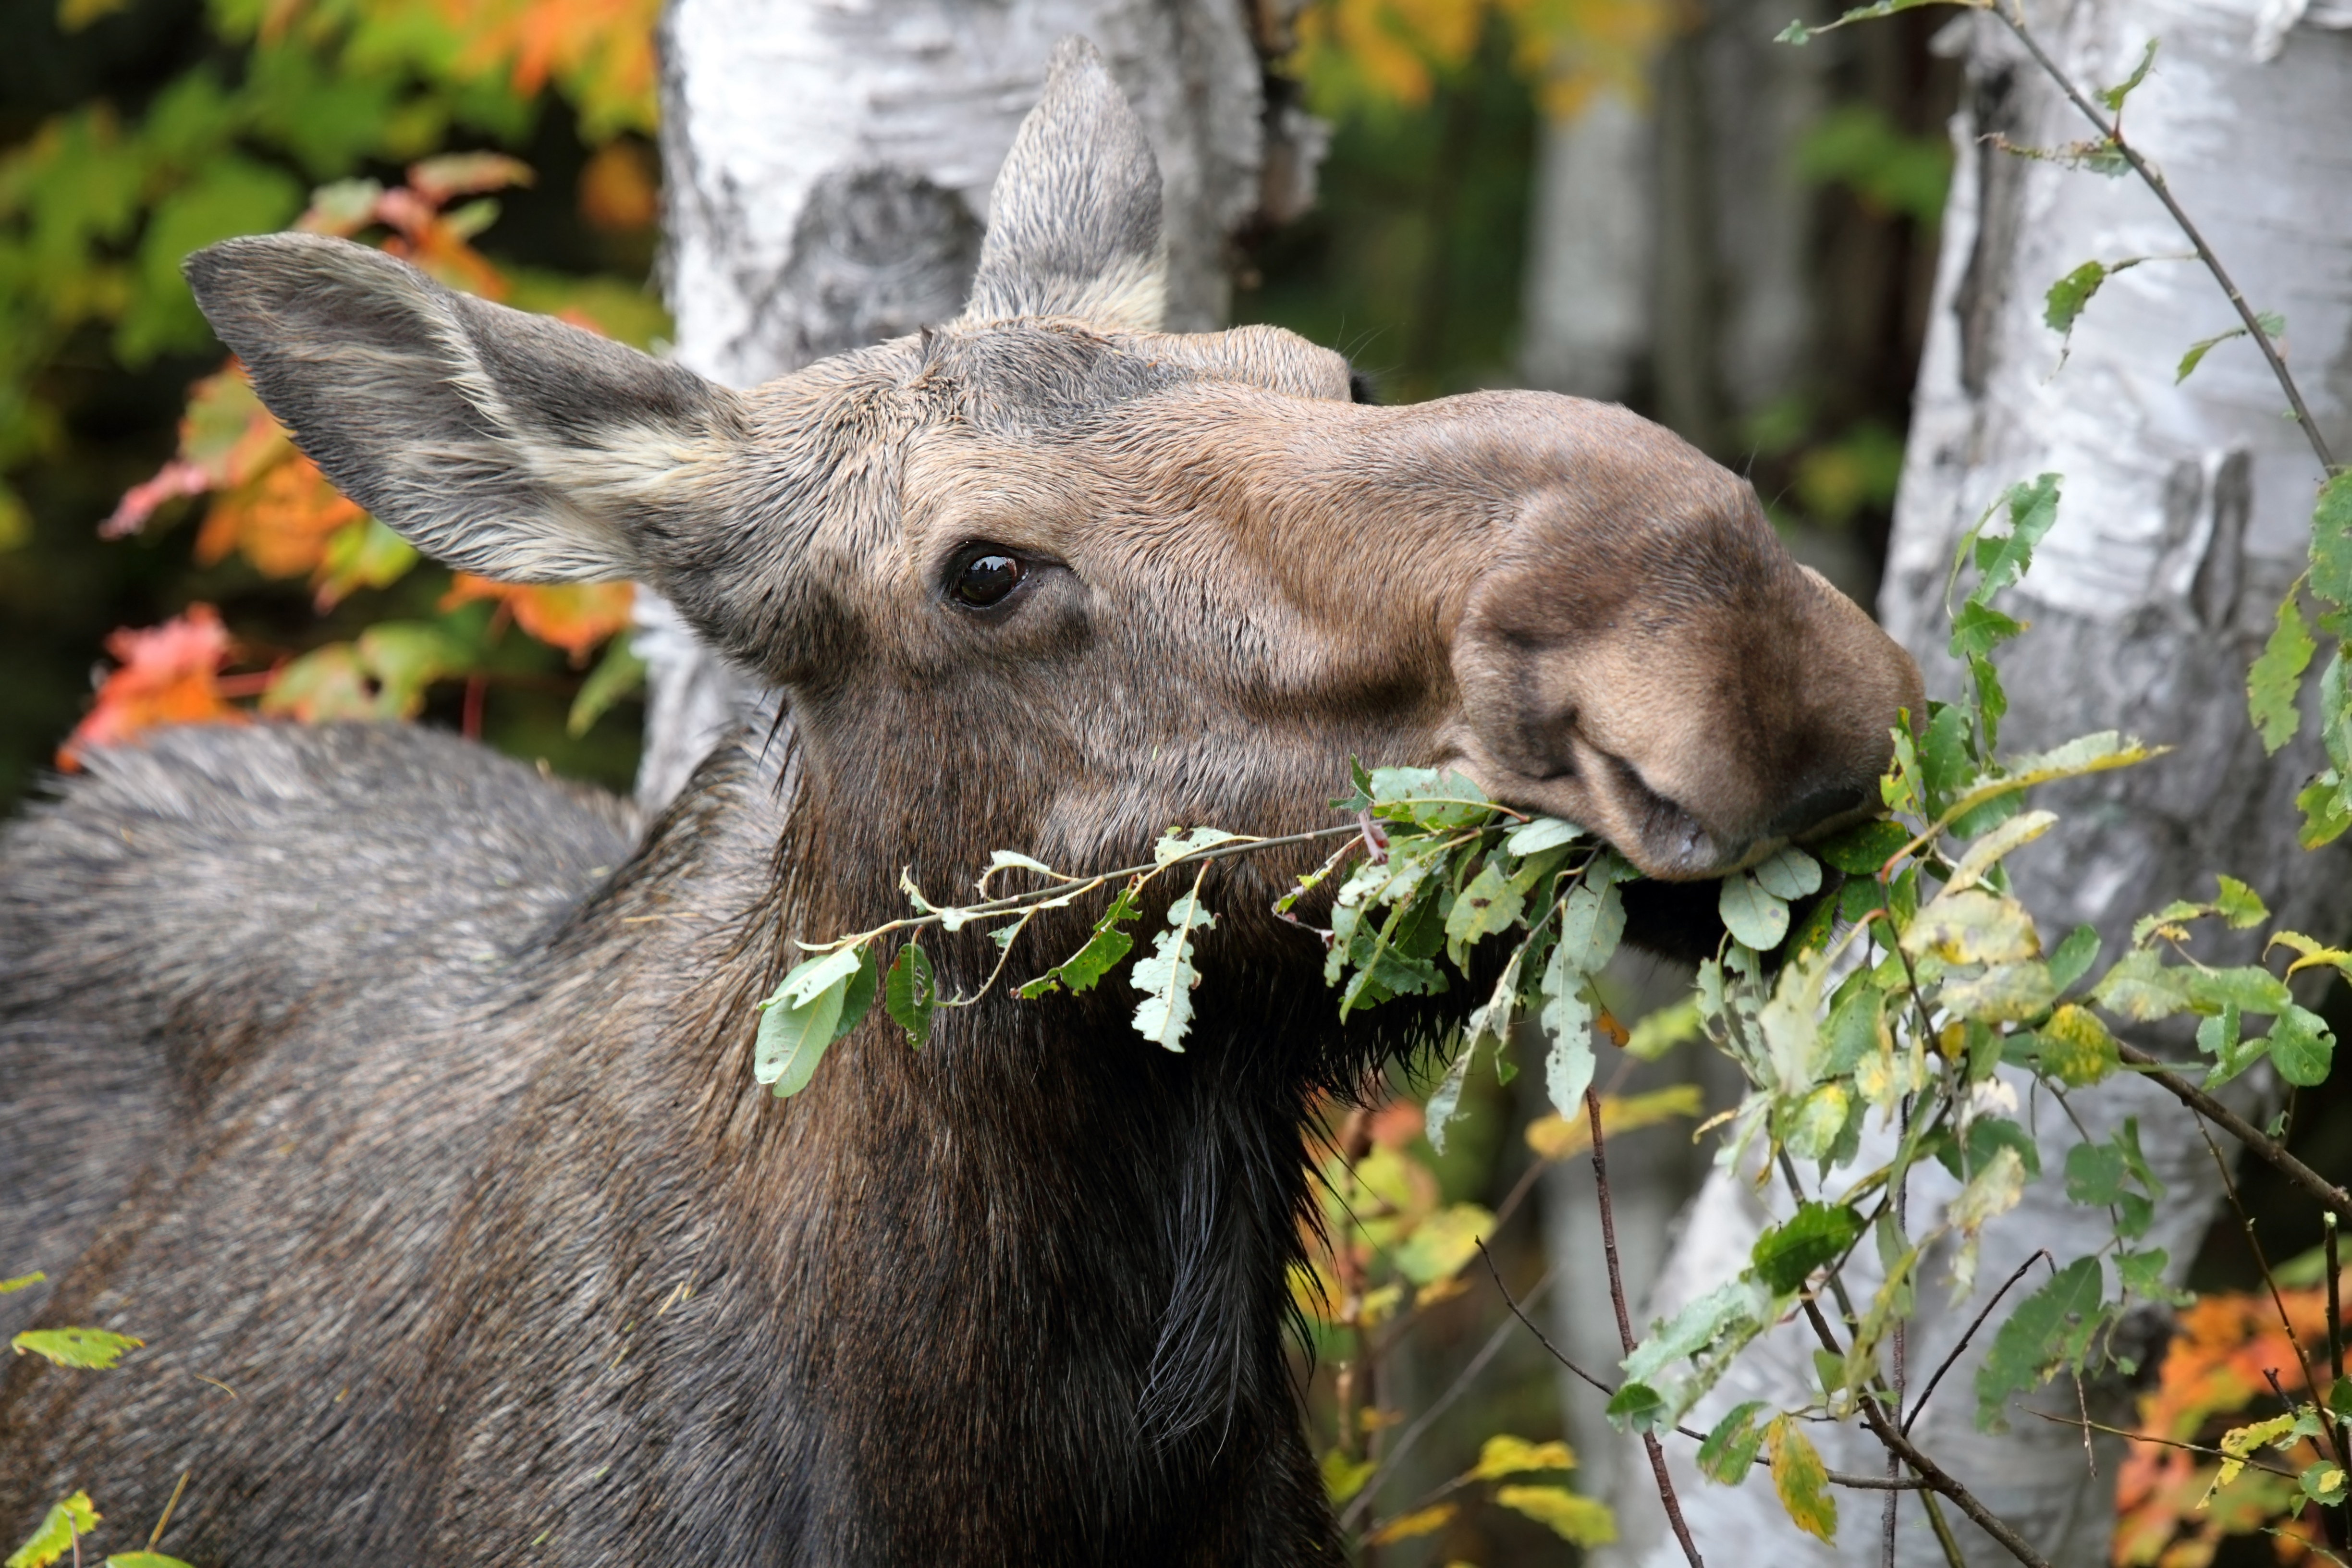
x: 1048, y: 576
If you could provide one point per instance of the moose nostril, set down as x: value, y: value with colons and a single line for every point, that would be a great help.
x: 1815, y: 809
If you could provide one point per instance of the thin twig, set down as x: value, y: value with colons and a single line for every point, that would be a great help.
x: 1937, y: 1478
x: 170, y: 1503
x: 2153, y: 1070
x: 2340, y: 1516
x: 2200, y: 1449
x: 2041, y: 1256
x: 1626, y: 1330
x: 1836, y: 1477
x: 2113, y: 133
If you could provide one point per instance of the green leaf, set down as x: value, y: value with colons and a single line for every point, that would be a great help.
x: 2239, y: 904
x: 2331, y: 542
x: 1105, y: 946
x: 55, y: 1537
x: 1988, y: 1136
x: 1791, y: 874
x: 1750, y: 914
x: 95, y: 1349
x: 908, y: 995
x: 406, y: 656
x: 858, y: 997
x: 2141, y: 987
x: 1817, y: 1234
x: 2004, y: 559
x: 2327, y: 810
x: 2301, y: 1047
x: 1489, y: 904
x: 1944, y: 755
x: 2249, y: 988
x: 1636, y: 1408
x: 1978, y: 629
x: 2323, y: 1483
x: 1861, y: 850
x: 1446, y: 1101
x: 1730, y: 1448
x: 2075, y: 956
x: 2076, y: 1048
x: 2051, y: 1329
x: 1566, y: 1019
x: 2275, y: 680
x: 22, y: 1281
x: 143, y: 1559
x: 2065, y: 301
x: 1542, y: 833
x: 1343, y: 1477
x: 1167, y: 977
x: 2113, y: 97
x: 1580, y: 1520
x: 616, y: 674
x: 1801, y: 1479
x: 800, y: 1020
x: 1591, y: 923
x: 2199, y: 349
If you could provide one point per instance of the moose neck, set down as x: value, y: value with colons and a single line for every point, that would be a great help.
x: 1042, y: 1263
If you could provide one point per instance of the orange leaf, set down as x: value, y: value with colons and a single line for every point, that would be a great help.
x: 619, y: 191
x: 573, y: 616
x: 466, y: 174
x: 280, y: 520
x: 168, y: 675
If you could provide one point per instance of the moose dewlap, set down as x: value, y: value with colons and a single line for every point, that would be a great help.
x: 402, y: 1101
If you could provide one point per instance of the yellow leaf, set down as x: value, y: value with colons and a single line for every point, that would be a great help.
x: 1442, y: 1243
x: 1555, y: 1137
x: 1343, y: 1477
x: 1507, y: 1456
x: 1438, y: 1290
x: 64, y: 1522
x: 1577, y: 1519
x: 2076, y: 1048
x: 1428, y: 1522
x: 1801, y: 1478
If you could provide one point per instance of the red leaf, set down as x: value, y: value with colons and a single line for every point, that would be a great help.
x: 169, y: 675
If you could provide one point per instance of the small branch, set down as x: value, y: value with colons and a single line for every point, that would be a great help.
x: 1837, y: 1478
x: 2340, y: 1516
x: 2200, y: 1449
x: 2153, y: 1068
x: 1937, y: 1477
x: 2113, y: 133
x: 1626, y: 1330
x: 1978, y: 1322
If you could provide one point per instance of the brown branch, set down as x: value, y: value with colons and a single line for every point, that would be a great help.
x: 1836, y: 1477
x: 1626, y: 1330
x: 2041, y: 1256
x: 2113, y: 131
x: 2327, y: 1194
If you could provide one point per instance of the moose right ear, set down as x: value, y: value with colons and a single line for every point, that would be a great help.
x: 503, y: 444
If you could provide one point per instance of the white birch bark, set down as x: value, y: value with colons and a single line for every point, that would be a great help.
x: 827, y: 167
x: 2185, y: 513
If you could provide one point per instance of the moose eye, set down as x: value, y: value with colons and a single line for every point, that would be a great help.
x: 984, y: 577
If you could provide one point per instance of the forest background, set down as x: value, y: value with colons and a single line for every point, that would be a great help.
x: 1786, y: 211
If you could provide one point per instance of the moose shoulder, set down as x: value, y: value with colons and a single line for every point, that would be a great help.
x: 402, y: 1101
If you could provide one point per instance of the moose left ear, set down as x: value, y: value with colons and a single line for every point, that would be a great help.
x: 1074, y: 222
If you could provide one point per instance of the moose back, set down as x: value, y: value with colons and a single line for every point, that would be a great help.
x: 402, y: 1101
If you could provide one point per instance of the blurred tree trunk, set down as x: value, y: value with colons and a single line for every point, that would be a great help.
x: 827, y: 177
x: 2185, y: 512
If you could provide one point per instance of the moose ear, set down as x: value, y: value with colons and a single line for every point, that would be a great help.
x: 1074, y: 222
x: 502, y: 443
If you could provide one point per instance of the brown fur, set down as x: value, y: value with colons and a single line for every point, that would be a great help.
x: 387, y: 1086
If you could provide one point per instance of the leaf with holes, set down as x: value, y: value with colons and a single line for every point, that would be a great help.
x: 2051, y: 1329
x: 2276, y: 681
x: 1167, y: 977
x: 1105, y: 946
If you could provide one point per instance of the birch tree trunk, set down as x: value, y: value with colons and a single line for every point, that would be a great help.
x: 2185, y: 514
x: 826, y: 170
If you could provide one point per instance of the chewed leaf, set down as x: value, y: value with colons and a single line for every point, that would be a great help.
x: 1167, y: 977
x: 1000, y: 858
x: 2051, y: 1329
x: 59, y: 1528
x: 1751, y: 914
x: 1105, y: 946
x: 2064, y: 303
x: 2275, y: 680
x: 1176, y: 843
x: 2003, y: 559
x: 95, y: 1349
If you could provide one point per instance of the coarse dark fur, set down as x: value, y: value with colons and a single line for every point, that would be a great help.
x: 401, y: 1099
